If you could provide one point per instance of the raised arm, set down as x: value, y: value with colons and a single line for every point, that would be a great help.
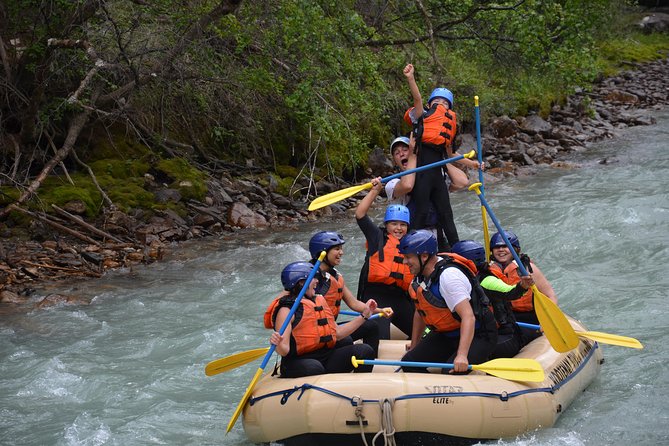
x: 413, y: 87
x: 367, y: 201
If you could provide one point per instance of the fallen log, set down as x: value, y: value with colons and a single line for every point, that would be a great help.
x: 60, y: 268
x: 83, y: 224
x: 58, y: 226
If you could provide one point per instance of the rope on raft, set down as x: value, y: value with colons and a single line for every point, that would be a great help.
x: 355, y: 400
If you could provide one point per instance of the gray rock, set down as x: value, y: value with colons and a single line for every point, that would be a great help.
x: 325, y: 187
x: 240, y: 215
x: 76, y: 207
x: 379, y: 163
x: 273, y: 183
x: 535, y: 124
x: 503, y: 127
x: 281, y: 201
x: 167, y: 195
x: 656, y: 22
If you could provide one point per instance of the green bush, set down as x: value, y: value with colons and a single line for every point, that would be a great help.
x: 181, y: 172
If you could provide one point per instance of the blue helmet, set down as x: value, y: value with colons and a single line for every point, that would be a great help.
x: 442, y: 93
x: 399, y: 139
x: 418, y: 242
x: 397, y: 212
x: 497, y: 240
x: 471, y: 250
x: 323, y: 241
x: 293, y: 273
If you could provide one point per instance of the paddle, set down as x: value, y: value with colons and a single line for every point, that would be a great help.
x: 557, y: 328
x: 233, y: 361
x: 272, y: 347
x: 339, y: 195
x: 479, y: 151
x: 512, y: 369
x: 355, y: 313
x: 604, y: 338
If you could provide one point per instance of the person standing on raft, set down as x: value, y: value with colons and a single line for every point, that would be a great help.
x: 434, y: 129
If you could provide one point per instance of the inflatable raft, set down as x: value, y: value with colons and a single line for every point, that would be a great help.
x: 419, y: 408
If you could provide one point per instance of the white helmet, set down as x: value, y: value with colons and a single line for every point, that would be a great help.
x: 402, y: 139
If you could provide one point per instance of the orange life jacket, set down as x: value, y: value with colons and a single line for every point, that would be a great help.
x: 331, y: 287
x: 432, y: 306
x: 313, y: 326
x: 387, y: 265
x: 435, y: 126
x: 510, y: 275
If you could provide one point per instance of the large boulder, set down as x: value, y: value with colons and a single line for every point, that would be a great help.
x: 503, y: 127
x: 379, y: 163
x: 535, y: 124
x: 656, y: 22
x: 167, y: 195
x: 241, y: 216
x: 622, y: 97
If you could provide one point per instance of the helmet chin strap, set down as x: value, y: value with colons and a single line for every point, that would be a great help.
x: 421, y: 264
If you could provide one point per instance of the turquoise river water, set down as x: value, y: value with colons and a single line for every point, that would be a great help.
x: 129, y: 368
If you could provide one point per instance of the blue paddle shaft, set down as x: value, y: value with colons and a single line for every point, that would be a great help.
x: 441, y: 365
x: 479, y: 149
x: 521, y: 267
x: 355, y: 313
x: 422, y: 168
x: 293, y: 309
x: 530, y: 326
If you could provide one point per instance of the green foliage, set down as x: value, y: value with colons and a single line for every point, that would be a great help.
x: 285, y: 185
x: 120, y: 169
x: 288, y: 82
x: 8, y: 195
x: 614, y: 54
x: 118, y: 147
x: 190, y: 182
x: 287, y: 171
x: 129, y: 193
x: 55, y: 191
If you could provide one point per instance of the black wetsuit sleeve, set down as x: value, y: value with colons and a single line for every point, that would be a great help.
x: 373, y: 234
x: 516, y: 293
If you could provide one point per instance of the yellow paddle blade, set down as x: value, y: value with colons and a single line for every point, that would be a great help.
x: 486, y: 233
x: 554, y: 323
x: 245, y: 398
x: 339, y: 195
x: 607, y: 338
x: 513, y: 369
x: 233, y: 361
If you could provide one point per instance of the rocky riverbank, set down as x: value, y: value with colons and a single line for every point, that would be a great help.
x: 64, y: 247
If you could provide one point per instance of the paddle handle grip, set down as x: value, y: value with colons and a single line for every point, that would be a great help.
x: 293, y: 309
x: 428, y: 166
x: 476, y: 187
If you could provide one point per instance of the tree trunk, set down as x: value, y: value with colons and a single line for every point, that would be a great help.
x: 76, y: 125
